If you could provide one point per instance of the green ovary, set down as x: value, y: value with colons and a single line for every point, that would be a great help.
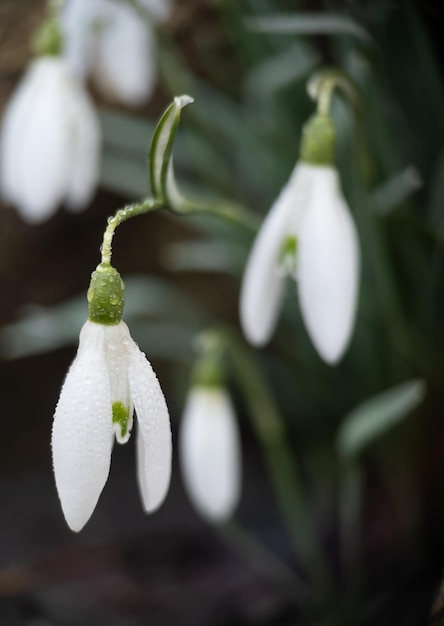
x: 121, y: 417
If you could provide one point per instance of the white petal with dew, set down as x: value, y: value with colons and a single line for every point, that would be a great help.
x: 85, y: 149
x: 126, y: 68
x: 210, y: 453
x: 82, y: 434
x: 17, y: 112
x: 154, y: 460
x: 44, y: 156
x: 328, y: 266
x: 116, y: 341
x: 262, y: 285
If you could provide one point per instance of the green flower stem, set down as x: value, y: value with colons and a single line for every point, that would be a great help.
x: 350, y: 524
x: 325, y: 82
x: 233, y: 213
x: 126, y: 213
x: 326, y: 90
x: 270, y: 430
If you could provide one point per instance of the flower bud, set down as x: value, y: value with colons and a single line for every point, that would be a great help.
x: 318, y: 138
x: 106, y: 296
x: 210, y: 452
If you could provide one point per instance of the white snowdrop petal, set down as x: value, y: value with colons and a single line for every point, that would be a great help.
x: 82, y: 435
x: 328, y: 266
x: 17, y: 112
x: 210, y: 453
x: 77, y: 21
x: 262, y: 285
x: 154, y: 460
x: 85, y: 150
x: 44, y: 148
x: 125, y: 67
x: 116, y: 338
x: 141, y: 471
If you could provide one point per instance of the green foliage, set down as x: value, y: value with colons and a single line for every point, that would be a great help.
x: 371, y: 419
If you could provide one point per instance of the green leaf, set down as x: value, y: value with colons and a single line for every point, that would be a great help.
x: 205, y: 256
x: 394, y: 191
x: 281, y: 70
x: 308, y: 24
x: 161, y: 167
x: 376, y: 416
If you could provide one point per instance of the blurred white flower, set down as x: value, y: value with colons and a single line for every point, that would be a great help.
x: 112, y: 42
x: 50, y: 144
x: 310, y: 235
x: 159, y: 10
x: 210, y: 452
x: 109, y: 377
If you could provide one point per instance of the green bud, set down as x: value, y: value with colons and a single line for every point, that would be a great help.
x: 49, y: 39
x: 318, y: 139
x: 207, y: 372
x: 106, y: 296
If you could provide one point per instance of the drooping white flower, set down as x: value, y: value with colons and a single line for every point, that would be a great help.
x: 114, y: 44
x: 109, y: 379
x: 309, y: 234
x: 210, y: 452
x: 50, y: 142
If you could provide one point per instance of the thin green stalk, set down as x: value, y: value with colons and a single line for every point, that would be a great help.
x: 270, y: 430
x: 350, y: 529
x: 228, y: 212
x: 126, y: 213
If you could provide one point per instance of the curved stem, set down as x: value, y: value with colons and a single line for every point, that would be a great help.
x: 223, y: 210
x: 326, y: 89
x: 270, y: 430
x: 126, y: 213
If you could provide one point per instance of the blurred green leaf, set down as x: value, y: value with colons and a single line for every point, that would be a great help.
x: 281, y: 70
x: 308, y: 24
x: 395, y: 190
x: 371, y: 419
x: 205, y: 256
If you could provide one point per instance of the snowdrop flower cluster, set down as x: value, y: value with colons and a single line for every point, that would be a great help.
x: 210, y: 452
x: 309, y: 235
x: 50, y: 141
x: 114, y: 43
x: 109, y: 378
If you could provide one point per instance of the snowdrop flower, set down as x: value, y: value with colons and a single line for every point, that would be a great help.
x: 109, y: 378
x: 309, y: 235
x: 113, y: 43
x: 210, y: 452
x: 50, y: 142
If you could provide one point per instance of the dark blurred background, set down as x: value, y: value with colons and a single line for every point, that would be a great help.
x: 239, y: 142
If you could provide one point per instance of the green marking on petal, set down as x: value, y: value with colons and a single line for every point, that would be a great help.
x: 288, y: 255
x: 121, y: 417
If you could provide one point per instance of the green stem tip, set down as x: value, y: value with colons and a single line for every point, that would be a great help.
x: 105, y: 296
x: 318, y: 140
